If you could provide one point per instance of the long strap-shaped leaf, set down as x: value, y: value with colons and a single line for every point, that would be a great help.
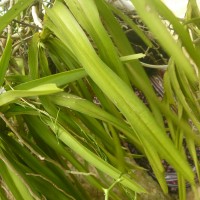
x: 151, y: 18
x: 68, y: 30
x: 101, y: 38
x: 13, y: 95
x: 70, y: 141
x: 88, y: 108
x: 5, y: 60
x: 59, y: 79
x: 14, y: 12
x: 136, y: 72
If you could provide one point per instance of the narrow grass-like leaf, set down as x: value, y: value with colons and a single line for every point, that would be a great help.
x: 33, y: 56
x: 13, y: 181
x: 186, y: 89
x: 181, y: 186
x: 13, y: 95
x: 151, y: 18
x: 193, y: 13
x: 43, y: 62
x: 8, y: 180
x: 70, y: 141
x: 14, y: 12
x: 95, y: 129
x: 131, y: 57
x: 29, y: 178
x: 37, y: 126
x: 5, y: 58
x: 192, y: 149
x: 18, y: 79
x: 62, y: 51
x: 157, y: 167
x: 60, y: 79
x: 82, y: 105
x: 47, y: 173
x: 90, y: 20
x: 59, y: 53
x: 181, y: 97
x: 128, y: 103
x: 20, y: 110
x: 179, y: 29
x: 136, y: 73
x: 129, y: 22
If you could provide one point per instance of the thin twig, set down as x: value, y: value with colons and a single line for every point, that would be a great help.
x: 26, y: 24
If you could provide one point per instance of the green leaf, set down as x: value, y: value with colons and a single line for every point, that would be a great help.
x: 85, y: 153
x: 131, y: 57
x: 162, y: 34
x: 135, y: 71
x: 37, y: 126
x: 13, y: 180
x: 129, y: 22
x: 13, y: 95
x: 33, y: 56
x: 64, y: 25
x: 60, y: 79
x: 5, y: 58
x: 82, y: 105
x: 43, y: 62
x: 14, y: 12
x: 91, y: 22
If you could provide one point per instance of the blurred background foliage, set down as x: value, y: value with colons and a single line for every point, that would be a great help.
x: 98, y: 102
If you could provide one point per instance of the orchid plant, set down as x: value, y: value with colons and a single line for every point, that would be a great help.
x: 69, y: 112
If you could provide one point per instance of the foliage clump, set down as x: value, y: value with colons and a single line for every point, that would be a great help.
x: 68, y: 107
